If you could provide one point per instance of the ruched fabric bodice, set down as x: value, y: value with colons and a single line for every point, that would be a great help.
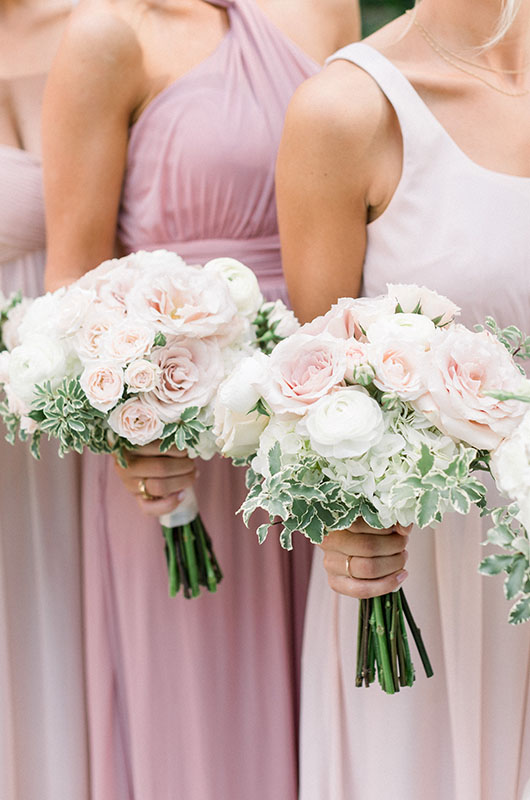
x: 200, y: 168
x: 21, y: 203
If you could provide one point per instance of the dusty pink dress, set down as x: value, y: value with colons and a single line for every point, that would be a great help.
x: 198, y: 699
x: 43, y: 747
x: 464, y: 231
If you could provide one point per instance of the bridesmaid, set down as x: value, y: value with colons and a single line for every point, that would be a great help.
x: 408, y: 160
x: 42, y: 722
x: 163, y: 120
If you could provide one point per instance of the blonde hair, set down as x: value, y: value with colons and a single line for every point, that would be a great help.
x: 508, y: 14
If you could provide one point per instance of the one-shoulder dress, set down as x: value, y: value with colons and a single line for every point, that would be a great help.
x: 199, y: 698
x: 464, y: 231
x: 43, y: 745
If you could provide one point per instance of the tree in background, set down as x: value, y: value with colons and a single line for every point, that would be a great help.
x: 376, y: 13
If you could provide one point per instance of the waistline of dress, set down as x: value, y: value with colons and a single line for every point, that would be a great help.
x: 260, y: 254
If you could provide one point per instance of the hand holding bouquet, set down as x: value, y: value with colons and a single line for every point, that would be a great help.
x: 379, y: 410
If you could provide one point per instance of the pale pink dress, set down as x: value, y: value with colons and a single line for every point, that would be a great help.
x: 198, y: 698
x: 464, y: 231
x: 43, y: 745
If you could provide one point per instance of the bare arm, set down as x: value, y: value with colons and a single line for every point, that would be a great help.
x: 329, y: 185
x: 94, y: 85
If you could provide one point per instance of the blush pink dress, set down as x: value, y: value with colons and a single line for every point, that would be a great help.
x: 199, y: 698
x: 43, y: 744
x: 464, y: 734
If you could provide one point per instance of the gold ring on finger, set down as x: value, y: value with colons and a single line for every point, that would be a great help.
x: 348, y: 562
x: 142, y: 488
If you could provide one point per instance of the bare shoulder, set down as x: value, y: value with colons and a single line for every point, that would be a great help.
x: 100, y: 48
x: 342, y: 104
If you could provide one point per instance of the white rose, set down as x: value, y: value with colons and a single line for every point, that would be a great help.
x: 345, y: 424
x: 41, y: 316
x: 412, y: 298
x: 242, y: 283
x: 72, y: 308
x: 285, y: 318
x: 236, y: 427
x: 103, y: 385
x: 403, y: 329
x: 39, y: 359
x: 11, y: 327
x: 4, y: 366
x: 141, y: 375
x: 240, y: 391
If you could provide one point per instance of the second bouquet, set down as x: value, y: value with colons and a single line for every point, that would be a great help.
x: 133, y: 353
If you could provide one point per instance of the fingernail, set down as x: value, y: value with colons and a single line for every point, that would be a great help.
x: 400, y: 577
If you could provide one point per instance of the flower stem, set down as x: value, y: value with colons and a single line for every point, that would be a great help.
x: 385, y: 668
x: 188, y: 540
x: 416, y: 634
x: 174, y: 581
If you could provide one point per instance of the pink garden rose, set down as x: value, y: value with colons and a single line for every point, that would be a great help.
x: 184, y: 301
x: 190, y: 372
x: 350, y: 317
x: 136, y: 421
x: 463, y: 367
x: 399, y: 368
x: 88, y: 341
x: 302, y: 369
x: 103, y: 385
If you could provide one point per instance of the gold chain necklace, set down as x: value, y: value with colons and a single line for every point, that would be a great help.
x: 443, y: 53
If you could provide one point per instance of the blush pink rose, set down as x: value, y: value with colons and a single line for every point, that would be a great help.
x: 350, y: 317
x: 399, y: 368
x: 184, y: 301
x: 136, y: 421
x: 141, y: 376
x: 127, y: 341
x: 88, y: 341
x: 357, y: 355
x: 103, y: 385
x: 190, y: 373
x: 303, y: 369
x: 462, y: 368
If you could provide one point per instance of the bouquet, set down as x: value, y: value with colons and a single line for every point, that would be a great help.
x: 381, y: 410
x: 131, y: 353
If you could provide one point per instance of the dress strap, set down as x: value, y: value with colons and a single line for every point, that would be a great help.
x: 418, y: 124
x: 221, y: 3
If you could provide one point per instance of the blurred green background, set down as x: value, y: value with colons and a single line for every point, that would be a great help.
x: 376, y: 13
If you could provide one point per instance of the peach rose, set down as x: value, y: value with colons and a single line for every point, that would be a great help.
x: 461, y: 368
x: 303, y: 369
x: 103, y: 385
x: 136, y: 421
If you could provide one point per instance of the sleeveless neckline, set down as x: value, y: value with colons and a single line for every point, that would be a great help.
x: 374, y: 56
x: 230, y: 6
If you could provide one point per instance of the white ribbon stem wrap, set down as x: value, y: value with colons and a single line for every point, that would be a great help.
x: 186, y: 511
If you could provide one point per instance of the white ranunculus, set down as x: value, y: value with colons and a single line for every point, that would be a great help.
x: 141, y: 375
x: 242, y: 283
x: 431, y: 304
x: 403, y: 329
x: 39, y: 359
x: 285, y: 318
x: 345, y: 424
x: 240, y: 391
